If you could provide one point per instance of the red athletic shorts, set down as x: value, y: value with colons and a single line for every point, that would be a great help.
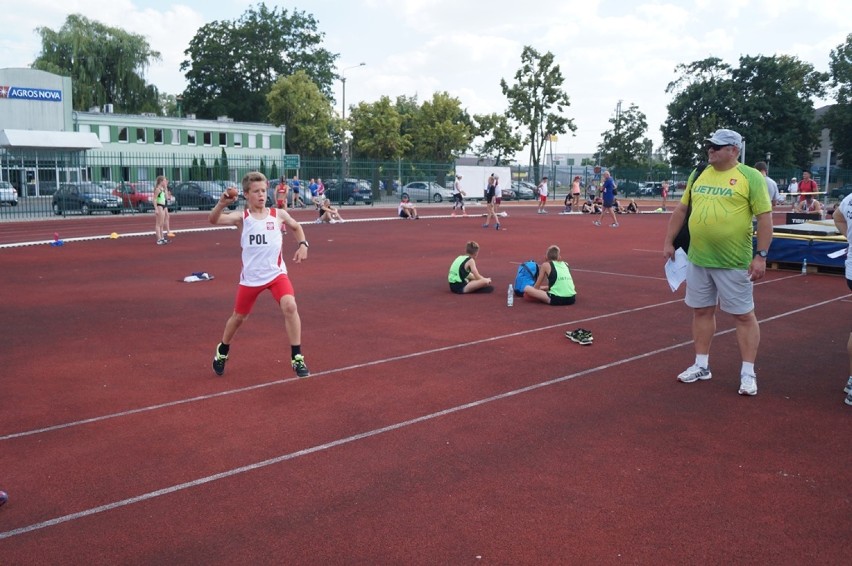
x: 246, y: 296
x: 542, y: 198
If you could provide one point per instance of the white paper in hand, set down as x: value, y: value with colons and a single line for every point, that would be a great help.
x: 676, y: 269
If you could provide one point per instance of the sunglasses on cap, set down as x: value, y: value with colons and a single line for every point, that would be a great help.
x: 716, y: 147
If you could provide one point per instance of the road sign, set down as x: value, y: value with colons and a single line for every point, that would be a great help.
x: 291, y: 161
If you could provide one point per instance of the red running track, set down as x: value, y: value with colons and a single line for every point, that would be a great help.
x: 435, y: 429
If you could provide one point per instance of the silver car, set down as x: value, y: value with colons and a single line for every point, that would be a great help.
x: 426, y: 191
x: 8, y: 194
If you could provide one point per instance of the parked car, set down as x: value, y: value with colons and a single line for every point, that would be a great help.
x: 426, y: 191
x: 8, y: 194
x: 202, y: 195
x: 85, y: 198
x: 354, y: 191
x: 523, y: 190
x: 651, y: 188
x: 840, y: 192
x: 139, y: 196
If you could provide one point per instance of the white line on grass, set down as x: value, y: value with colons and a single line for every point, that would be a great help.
x: 403, y: 424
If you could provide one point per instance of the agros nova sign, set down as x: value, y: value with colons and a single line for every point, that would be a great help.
x: 28, y: 93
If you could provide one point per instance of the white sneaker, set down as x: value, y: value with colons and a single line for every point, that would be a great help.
x: 848, y: 388
x: 748, y: 384
x: 694, y: 373
x: 597, y: 222
x: 848, y: 399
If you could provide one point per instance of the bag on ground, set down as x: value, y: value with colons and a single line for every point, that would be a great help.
x: 527, y: 274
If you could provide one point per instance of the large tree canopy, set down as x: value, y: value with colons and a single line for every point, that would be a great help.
x: 626, y: 144
x: 839, y: 117
x: 500, y: 138
x: 106, y: 64
x: 766, y: 99
x: 377, y: 131
x: 232, y: 65
x: 296, y: 103
x: 537, y: 101
x: 440, y: 129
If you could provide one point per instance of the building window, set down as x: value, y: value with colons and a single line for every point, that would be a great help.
x: 106, y: 174
x: 238, y: 140
x: 141, y: 135
x: 85, y: 128
x: 190, y: 137
x: 175, y: 136
x: 265, y: 141
x: 122, y: 134
x: 158, y: 135
x: 223, y: 139
x: 208, y: 138
x: 252, y: 141
x: 103, y: 134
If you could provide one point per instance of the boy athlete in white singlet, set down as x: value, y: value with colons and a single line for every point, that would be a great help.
x: 263, y: 266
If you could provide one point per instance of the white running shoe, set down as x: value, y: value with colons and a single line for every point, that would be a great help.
x: 694, y: 373
x: 848, y: 388
x: 748, y: 384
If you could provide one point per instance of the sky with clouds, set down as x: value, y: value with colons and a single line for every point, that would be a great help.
x: 608, y: 50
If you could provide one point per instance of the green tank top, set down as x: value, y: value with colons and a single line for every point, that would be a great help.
x: 161, y: 197
x: 560, y: 281
x: 458, y: 270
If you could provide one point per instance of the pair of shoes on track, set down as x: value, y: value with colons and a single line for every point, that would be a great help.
x: 162, y: 241
x: 580, y: 336
x: 748, y: 382
x: 298, y: 364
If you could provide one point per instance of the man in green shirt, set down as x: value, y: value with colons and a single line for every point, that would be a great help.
x: 724, y: 198
x: 554, y: 284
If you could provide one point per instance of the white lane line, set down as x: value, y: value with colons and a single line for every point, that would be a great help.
x: 209, y: 396
x: 377, y: 431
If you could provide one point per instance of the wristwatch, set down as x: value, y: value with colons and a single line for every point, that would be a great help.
x: 305, y: 243
x: 762, y: 253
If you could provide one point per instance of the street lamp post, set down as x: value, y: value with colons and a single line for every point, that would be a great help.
x: 346, y: 135
x: 343, y: 81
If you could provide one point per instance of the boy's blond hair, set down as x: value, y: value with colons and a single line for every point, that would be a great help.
x: 252, y: 177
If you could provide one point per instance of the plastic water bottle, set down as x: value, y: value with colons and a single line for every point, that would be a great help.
x: 510, y: 297
x: 804, y: 266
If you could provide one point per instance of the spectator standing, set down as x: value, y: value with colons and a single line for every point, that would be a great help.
x: 793, y: 189
x: 664, y: 192
x: 722, y: 267
x: 807, y: 185
x: 296, y: 189
x: 498, y: 197
x: 843, y: 220
x: 281, y: 191
x: 490, y: 192
x: 458, y: 196
x: 771, y: 185
x: 542, y: 195
x: 575, y: 194
x: 608, y: 193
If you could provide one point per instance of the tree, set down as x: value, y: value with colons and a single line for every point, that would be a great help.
x: 626, y: 145
x: 231, y: 65
x: 500, y: 138
x: 439, y: 129
x: 766, y: 99
x: 537, y: 92
x: 377, y: 131
x: 297, y: 103
x: 839, y: 116
x: 703, y: 102
x: 106, y: 64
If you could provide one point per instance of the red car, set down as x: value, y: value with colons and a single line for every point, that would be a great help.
x: 139, y: 195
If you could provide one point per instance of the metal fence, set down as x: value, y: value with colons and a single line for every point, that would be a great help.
x: 37, y: 175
